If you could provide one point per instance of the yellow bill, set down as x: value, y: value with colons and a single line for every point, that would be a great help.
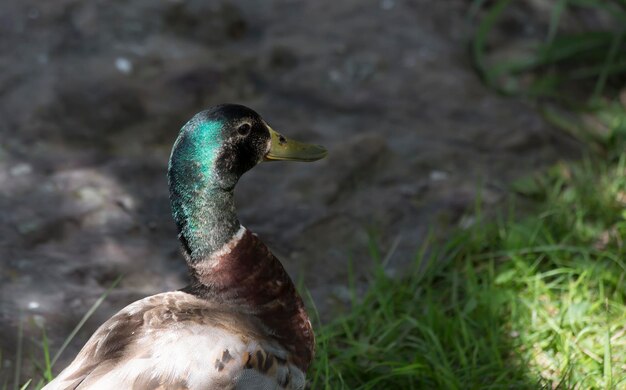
x: 288, y: 150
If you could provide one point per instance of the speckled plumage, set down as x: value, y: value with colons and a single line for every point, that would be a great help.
x: 240, y: 323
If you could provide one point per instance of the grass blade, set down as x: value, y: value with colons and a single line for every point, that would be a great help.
x: 616, y: 43
x: 18, y: 354
x: 84, y: 319
x: 46, y: 355
x: 25, y: 386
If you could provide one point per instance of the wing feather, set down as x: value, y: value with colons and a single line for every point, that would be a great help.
x: 176, y: 341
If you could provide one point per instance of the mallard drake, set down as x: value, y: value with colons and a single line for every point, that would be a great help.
x: 240, y: 323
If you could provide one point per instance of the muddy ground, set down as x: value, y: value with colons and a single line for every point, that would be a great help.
x: 92, y: 95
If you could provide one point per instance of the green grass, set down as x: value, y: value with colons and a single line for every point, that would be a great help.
x: 536, y: 302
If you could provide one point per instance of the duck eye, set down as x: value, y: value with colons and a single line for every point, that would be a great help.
x: 244, y: 129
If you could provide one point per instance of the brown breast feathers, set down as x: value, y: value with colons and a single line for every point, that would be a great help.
x: 248, y: 276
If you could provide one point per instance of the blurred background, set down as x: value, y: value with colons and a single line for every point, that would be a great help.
x: 428, y: 109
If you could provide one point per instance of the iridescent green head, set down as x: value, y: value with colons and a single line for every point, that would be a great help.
x: 211, y: 153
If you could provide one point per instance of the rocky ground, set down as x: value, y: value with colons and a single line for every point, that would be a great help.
x: 92, y: 95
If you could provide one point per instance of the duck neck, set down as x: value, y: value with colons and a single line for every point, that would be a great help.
x: 206, y: 219
x: 201, y: 190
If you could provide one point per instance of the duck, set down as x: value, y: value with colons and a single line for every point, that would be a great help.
x: 240, y: 322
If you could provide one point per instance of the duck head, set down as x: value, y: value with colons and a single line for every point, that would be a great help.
x: 213, y: 150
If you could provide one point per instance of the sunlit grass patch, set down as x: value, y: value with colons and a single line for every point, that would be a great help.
x: 567, y: 310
